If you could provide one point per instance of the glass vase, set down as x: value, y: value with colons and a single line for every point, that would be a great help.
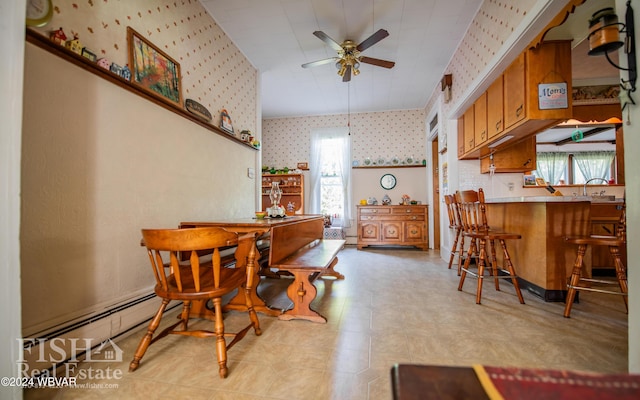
x: 275, y: 194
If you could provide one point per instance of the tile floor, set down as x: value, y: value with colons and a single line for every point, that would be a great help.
x: 395, y: 306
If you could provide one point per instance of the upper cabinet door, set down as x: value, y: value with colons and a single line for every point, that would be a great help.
x: 495, y: 108
x: 480, y: 119
x: 469, y: 127
x: 514, y: 92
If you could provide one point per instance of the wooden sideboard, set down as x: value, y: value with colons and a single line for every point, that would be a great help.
x: 393, y: 225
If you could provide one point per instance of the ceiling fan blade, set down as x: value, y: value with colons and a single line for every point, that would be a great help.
x: 320, y: 62
x: 373, y: 39
x: 377, y: 61
x: 325, y: 38
x: 347, y: 74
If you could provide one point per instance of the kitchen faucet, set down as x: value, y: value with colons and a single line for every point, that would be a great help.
x: 584, y: 190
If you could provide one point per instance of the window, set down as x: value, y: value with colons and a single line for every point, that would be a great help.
x: 331, y: 174
x: 575, y: 168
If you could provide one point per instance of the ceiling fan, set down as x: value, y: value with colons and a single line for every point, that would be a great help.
x: 349, y: 57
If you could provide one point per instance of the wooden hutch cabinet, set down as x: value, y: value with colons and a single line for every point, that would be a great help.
x: 393, y: 225
x: 292, y: 186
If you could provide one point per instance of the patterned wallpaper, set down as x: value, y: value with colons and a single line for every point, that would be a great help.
x: 286, y: 141
x: 214, y: 72
x: 495, y: 22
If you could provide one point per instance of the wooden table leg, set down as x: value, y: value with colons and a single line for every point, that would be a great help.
x: 239, y: 302
x: 302, y: 292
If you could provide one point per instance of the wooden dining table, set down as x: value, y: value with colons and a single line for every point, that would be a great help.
x: 261, y: 228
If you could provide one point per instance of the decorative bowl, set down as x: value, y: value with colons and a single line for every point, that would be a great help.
x: 261, y: 214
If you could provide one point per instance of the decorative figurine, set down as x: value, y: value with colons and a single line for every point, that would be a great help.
x: 126, y: 72
x: 58, y: 37
x: 225, y: 121
x: 104, y: 63
x: 74, y: 45
x: 386, y: 200
x: 88, y: 54
x: 116, y: 69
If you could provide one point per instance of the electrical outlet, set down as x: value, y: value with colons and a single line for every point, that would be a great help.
x: 251, y: 173
x: 510, y: 186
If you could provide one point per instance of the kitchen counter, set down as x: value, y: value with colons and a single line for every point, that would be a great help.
x: 555, y: 199
x: 542, y: 258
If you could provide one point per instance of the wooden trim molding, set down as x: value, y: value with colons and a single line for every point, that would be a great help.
x: 557, y: 21
x: 44, y: 43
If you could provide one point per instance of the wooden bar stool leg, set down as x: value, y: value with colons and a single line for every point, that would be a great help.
x: 512, y: 270
x: 454, y: 247
x: 620, y: 274
x: 462, y: 271
x: 460, y: 262
x: 575, y: 280
x: 481, y: 264
x: 494, y: 264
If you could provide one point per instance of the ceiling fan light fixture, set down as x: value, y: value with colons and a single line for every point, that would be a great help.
x: 356, y: 71
x: 342, y: 70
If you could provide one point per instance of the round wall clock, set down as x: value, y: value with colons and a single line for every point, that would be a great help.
x: 39, y: 12
x: 388, y: 181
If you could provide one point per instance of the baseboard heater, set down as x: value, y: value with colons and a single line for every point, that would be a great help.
x: 84, y: 339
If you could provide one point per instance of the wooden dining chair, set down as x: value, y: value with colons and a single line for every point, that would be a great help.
x: 198, y: 280
x: 454, y: 223
x: 580, y: 280
x: 476, y: 227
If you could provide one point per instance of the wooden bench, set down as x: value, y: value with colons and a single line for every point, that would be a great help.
x: 300, y: 250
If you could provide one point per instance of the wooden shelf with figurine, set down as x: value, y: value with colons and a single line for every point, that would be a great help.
x: 87, y: 63
x: 292, y: 187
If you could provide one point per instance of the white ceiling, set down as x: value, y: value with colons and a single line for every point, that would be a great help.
x: 277, y: 38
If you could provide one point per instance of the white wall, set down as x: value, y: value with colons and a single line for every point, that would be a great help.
x: 12, y: 15
x: 99, y: 164
x: 632, y: 165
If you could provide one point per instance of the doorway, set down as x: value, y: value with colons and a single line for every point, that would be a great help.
x: 435, y: 179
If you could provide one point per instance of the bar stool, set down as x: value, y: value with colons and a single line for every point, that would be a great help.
x: 614, y: 243
x: 454, y: 223
x: 475, y: 226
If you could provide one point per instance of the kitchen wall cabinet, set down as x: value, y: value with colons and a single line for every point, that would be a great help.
x: 469, y: 126
x: 495, y: 108
x: 520, y: 157
x: 393, y: 225
x: 514, y: 92
x: 511, y: 109
x: 292, y: 186
x: 460, y: 137
x: 480, y: 120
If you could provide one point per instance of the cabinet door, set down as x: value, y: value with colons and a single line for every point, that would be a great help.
x: 414, y: 231
x: 392, y: 231
x: 469, y: 126
x: 514, y: 92
x: 460, y: 137
x: 495, y: 108
x: 369, y: 231
x: 480, y: 119
x: 520, y: 157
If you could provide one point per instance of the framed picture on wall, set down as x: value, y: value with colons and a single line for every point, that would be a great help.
x: 153, y: 70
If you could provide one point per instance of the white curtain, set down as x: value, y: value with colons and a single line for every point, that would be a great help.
x: 342, y: 151
x: 550, y: 166
x: 594, y: 164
